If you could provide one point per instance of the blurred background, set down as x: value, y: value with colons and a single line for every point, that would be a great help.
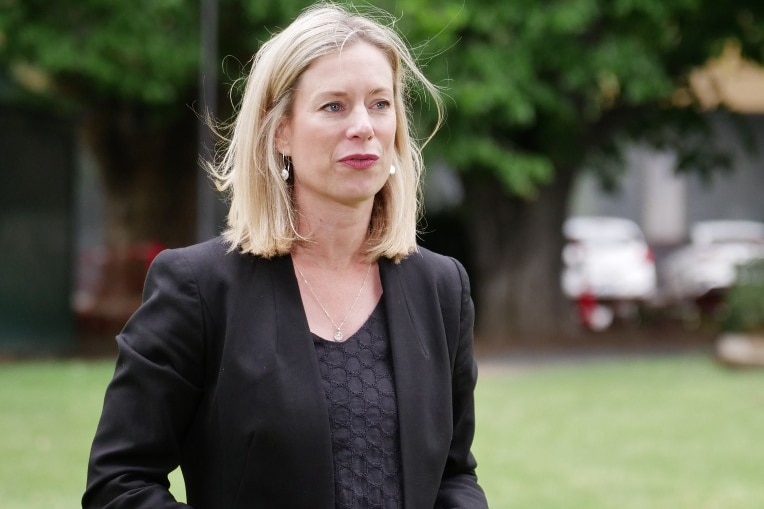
x: 600, y: 175
x: 629, y: 110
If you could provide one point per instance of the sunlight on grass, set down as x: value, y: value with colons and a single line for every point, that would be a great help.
x: 674, y: 433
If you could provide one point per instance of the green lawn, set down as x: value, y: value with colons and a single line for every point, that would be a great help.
x: 673, y: 433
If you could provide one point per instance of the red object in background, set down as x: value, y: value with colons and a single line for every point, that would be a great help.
x: 586, y: 304
x: 145, y: 252
x: 109, y: 286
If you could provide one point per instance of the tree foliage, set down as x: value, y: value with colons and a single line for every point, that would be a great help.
x: 539, y: 90
x: 536, y: 85
x: 535, y: 90
x: 132, y: 51
x: 138, y: 51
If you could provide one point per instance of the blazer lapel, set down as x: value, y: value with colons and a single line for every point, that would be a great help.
x: 283, y: 395
x: 422, y: 382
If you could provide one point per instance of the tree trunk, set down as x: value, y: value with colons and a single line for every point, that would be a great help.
x: 148, y: 166
x: 148, y: 169
x: 517, y: 247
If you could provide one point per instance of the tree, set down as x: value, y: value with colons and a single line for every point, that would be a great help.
x: 537, y: 90
x: 121, y: 69
x: 127, y: 72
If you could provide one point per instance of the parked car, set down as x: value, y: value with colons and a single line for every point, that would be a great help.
x: 608, y: 267
x: 704, y: 269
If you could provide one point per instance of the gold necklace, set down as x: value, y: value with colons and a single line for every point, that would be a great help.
x: 338, y: 336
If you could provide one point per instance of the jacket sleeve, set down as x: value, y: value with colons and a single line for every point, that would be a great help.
x: 459, y: 486
x: 153, y: 395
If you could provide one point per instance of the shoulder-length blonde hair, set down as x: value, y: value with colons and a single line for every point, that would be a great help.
x: 261, y: 217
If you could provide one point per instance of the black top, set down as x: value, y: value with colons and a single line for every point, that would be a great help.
x: 363, y: 413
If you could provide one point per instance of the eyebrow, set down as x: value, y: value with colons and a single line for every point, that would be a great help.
x: 340, y: 93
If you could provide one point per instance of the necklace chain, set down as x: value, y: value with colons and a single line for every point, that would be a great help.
x: 338, y: 336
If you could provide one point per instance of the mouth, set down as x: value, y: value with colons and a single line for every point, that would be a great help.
x: 360, y: 161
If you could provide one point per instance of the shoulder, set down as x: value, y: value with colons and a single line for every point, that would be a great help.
x: 216, y: 276
x: 211, y: 255
x: 203, y: 253
x: 209, y: 263
x: 433, y: 264
x: 434, y: 269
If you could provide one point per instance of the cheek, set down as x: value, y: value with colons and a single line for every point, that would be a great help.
x: 387, y: 132
x: 308, y: 140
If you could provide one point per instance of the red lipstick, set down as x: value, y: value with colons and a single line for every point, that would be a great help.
x: 360, y: 161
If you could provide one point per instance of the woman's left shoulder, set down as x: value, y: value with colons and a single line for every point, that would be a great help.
x: 435, y: 265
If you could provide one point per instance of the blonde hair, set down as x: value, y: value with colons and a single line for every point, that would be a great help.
x: 261, y: 217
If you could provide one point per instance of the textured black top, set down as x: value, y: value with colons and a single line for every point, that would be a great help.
x: 363, y: 414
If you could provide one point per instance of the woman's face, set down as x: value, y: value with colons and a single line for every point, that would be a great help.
x: 340, y: 134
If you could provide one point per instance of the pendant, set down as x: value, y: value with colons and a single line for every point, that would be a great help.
x: 338, y: 335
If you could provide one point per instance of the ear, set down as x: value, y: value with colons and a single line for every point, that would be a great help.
x: 283, y: 135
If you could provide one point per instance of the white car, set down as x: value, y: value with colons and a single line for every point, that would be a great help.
x: 608, y: 259
x: 707, y: 265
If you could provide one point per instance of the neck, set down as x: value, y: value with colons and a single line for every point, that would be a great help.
x: 326, y: 254
x: 333, y: 240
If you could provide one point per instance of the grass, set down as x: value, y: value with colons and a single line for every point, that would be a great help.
x: 673, y: 433
x: 48, y: 414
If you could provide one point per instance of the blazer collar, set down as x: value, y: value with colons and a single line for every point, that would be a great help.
x: 410, y: 356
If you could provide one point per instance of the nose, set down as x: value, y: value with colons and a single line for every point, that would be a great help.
x: 360, y: 125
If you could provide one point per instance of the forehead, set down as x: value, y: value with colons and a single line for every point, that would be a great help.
x: 357, y: 64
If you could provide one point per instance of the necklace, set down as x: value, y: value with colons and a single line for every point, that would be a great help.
x: 338, y: 336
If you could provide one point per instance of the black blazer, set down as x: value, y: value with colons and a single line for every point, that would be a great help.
x: 217, y: 373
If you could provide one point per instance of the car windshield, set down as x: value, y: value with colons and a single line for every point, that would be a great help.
x: 601, y: 231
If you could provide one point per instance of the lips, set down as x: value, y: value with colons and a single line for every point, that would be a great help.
x: 360, y: 161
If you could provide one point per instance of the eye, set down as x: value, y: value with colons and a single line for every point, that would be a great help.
x: 382, y: 105
x: 332, y: 107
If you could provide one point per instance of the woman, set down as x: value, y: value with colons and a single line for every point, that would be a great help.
x: 314, y: 357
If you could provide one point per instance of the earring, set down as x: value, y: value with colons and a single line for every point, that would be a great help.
x: 285, y: 169
x: 392, y: 170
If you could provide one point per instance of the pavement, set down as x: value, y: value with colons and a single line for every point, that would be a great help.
x: 589, y: 347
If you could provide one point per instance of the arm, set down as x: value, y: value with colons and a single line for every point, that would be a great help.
x: 153, y: 395
x: 459, y: 487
